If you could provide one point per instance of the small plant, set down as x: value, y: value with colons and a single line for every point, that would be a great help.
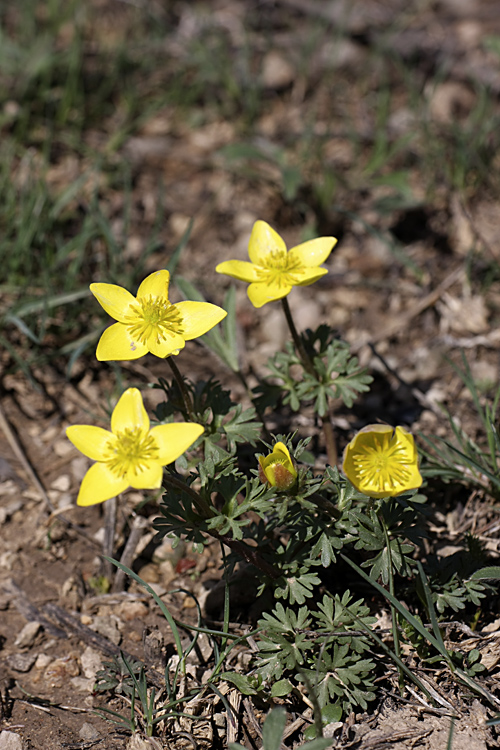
x: 294, y: 528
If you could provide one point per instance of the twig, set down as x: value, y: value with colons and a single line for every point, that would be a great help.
x: 21, y: 456
x: 107, y: 568
x: 29, y: 611
x: 127, y: 558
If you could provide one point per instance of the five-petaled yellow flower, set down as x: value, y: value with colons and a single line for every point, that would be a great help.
x: 150, y: 322
x: 277, y: 468
x: 382, y: 461
x: 132, y: 454
x: 273, y: 271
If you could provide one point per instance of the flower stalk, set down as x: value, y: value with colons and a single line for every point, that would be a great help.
x: 326, y: 422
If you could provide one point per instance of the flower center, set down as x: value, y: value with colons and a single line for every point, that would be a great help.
x: 277, y: 268
x: 153, y: 316
x: 132, y: 451
x: 382, y: 466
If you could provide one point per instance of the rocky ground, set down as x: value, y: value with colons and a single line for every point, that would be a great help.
x: 413, y: 282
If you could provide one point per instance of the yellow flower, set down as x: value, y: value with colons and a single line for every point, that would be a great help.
x: 132, y: 454
x: 382, y: 461
x: 273, y: 271
x: 150, y: 323
x: 277, y: 468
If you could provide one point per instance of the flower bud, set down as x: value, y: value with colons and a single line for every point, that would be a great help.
x: 277, y: 468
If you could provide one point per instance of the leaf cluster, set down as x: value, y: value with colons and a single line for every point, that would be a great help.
x: 321, y: 650
x: 335, y: 373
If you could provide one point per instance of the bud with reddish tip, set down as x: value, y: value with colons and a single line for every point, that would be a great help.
x: 277, y: 468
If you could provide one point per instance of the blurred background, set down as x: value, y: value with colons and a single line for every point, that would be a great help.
x: 129, y: 127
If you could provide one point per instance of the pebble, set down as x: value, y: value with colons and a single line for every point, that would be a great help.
x: 43, y: 661
x: 83, y: 684
x: 10, y: 741
x: 21, y: 662
x: 88, y: 732
x: 62, y: 483
x: 58, y: 672
x: 27, y: 636
x: 91, y: 662
x: 108, y: 627
x: 130, y: 610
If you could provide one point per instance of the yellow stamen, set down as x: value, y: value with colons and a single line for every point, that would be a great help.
x: 154, y: 316
x: 133, y: 451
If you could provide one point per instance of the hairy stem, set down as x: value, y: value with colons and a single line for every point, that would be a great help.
x: 188, y: 404
x: 326, y: 421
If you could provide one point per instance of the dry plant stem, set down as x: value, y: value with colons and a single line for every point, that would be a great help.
x: 326, y: 422
x: 127, y: 558
x: 188, y: 404
x: 107, y: 568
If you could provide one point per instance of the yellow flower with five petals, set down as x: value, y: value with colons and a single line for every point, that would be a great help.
x: 150, y: 322
x: 131, y: 454
x: 274, y: 271
x: 382, y: 461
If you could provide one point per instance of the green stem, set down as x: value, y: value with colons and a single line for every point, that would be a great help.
x: 395, y: 631
x: 297, y: 340
x: 326, y: 421
x: 188, y: 404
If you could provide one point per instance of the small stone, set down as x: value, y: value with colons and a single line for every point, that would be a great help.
x: 130, y: 610
x: 108, y: 627
x: 277, y: 73
x: 63, y: 447
x: 88, y: 732
x: 21, y: 662
x: 27, y: 636
x: 10, y: 741
x: 43, y: 661
x: 62, y: 483
x: 83, y: 684
x: 58, y: 672
x: 91, y: 662
x: 150, y: 573
x: 86, y: 619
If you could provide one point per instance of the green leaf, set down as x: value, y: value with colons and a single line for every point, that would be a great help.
x: 240, y: 681
x: 281, y: 688
x: 272, y: 731
x: 491, y: 573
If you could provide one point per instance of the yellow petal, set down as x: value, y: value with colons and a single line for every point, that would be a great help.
x: 174, y: 439
x: 116, y: 343
x: 313, y: 252
x: 100, y: 484
x: 262, y: 292
x: 263, y: 241
x: 280, y: 448
x: 156, y: 285
x: 91, y: 441
x: 198, y: 318
x: 239, y: 269
x: 147, y: 479
x: 307, y: 276
x: 129, y: 412
x: 171, y: 344
x: 114, y: 299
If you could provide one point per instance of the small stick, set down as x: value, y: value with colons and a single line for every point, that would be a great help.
x: 107, y: 568
x: 127, y: 558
